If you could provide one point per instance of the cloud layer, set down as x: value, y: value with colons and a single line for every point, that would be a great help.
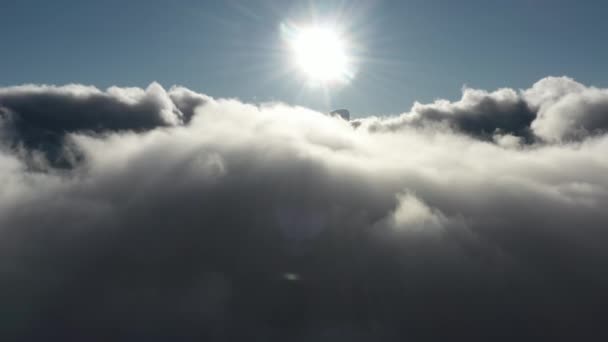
x: 185, y: 217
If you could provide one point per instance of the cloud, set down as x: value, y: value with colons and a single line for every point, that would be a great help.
x: 40, y: 116
x: 567, y: 110
x: 555, y: 109
x: 478, y: 112
x: 182, y: 222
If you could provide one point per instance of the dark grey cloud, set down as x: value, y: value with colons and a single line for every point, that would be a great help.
x: 479, y: 113
x: 40, y: 116
x: 274, y: 222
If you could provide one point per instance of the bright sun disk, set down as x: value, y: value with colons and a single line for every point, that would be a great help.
x: 320, y: 54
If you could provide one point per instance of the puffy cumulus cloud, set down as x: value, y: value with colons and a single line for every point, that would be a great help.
x: 478, y: 112
x: 40, y: 116
x: 567, y: 110
x: 283, y: 223
x: 555, y: 109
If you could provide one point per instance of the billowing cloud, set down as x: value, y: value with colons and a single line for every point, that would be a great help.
x: 479, y: 113
x: 555, y: 109
x: 567, y: 110
x: 40, y: 116
x: 219, y: 220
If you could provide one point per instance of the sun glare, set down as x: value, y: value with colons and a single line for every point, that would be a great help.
x: 320, y: 54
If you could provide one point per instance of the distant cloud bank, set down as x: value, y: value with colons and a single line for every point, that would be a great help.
x: 153, y: 214
x: 555, y: 109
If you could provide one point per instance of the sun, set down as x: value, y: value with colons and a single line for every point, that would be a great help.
x: 320, y: 54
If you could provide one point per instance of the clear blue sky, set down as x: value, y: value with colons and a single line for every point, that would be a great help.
x: 410, y: 49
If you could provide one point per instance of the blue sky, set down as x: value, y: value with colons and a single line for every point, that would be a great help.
x: 409, y: 50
